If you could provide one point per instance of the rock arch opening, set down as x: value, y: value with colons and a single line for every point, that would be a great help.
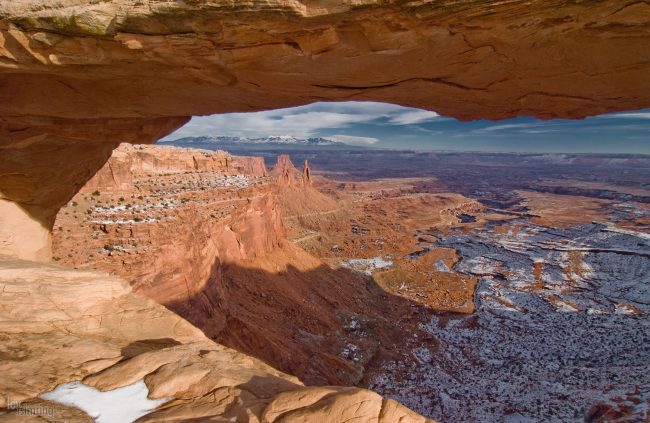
x: 80, y: 77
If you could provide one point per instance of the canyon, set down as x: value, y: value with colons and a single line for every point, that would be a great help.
x: 88, y: 325
x: 205, y: 246
x: 429, y: 297
x: 201, y: 233
x: 212, y: 246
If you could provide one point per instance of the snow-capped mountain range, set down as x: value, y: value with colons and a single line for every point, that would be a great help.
x: 272, y: 140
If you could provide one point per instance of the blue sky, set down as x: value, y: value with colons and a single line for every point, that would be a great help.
x: 390, y: 126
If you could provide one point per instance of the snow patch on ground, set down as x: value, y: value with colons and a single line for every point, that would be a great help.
x: 441, y: 266
x: 125, y: 221
x: 367, y: 266
x: 642, y: 235
x: 124, y: 405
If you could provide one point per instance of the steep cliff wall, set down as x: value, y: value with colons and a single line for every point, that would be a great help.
x: 129, y: 161
x: 166, y: 217
x: 211, y: 245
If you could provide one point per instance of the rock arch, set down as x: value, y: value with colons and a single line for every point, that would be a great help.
x: 77, y: 76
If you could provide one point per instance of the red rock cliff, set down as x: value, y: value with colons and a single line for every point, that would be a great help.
x: 284, y: 171
x: 130, y: 160
x: 172, y: 215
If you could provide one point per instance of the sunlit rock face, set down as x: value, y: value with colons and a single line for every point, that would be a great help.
x: 45, y: 161
x: 80, y: 76
x: 172, y: 215
x: 110, y: 339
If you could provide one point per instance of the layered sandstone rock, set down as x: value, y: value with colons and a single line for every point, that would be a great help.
x: 45, y: 161
x: 81, y: 76
x: 109, y: 338
x: 130, y: 161
x: 470, y: 59
x: 284, y: 171
x: 165, y: 217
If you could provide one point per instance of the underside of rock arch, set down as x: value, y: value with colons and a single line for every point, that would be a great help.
x: 77, y: 77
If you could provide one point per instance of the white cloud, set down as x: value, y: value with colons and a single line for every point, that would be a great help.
x: 266, y: 123
x: 302, y: 121
x: 353, y: 140
x: 635, y: 115
x: 538, y: 131
x: 413, y: 117
x: 506, y: 126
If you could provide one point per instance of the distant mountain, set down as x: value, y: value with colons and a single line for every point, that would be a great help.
x: 274, y: 141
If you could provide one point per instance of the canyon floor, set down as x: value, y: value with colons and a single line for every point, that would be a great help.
x: 467, y: 286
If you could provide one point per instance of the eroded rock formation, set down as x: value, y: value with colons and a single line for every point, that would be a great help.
x: 284, y: 171
x: 211, y: 245
x: 130, y: 162
x: 169, y: 216
x: 468, y: 59
x: 110, y: 338
x: 80, y: 76
x: 306, y: 174
x: 45, y: 161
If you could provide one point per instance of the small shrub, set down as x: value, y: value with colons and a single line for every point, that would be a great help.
x: 108, y: 247
x: 95, y: 193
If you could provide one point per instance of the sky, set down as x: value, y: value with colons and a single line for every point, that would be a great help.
x: 382, y: 125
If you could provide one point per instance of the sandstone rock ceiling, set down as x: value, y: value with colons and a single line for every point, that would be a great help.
x: 468, y: 59
x: 79, y: 76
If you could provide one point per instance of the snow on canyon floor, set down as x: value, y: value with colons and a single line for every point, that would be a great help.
x: 561, y: 329
x: 367, y: 266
